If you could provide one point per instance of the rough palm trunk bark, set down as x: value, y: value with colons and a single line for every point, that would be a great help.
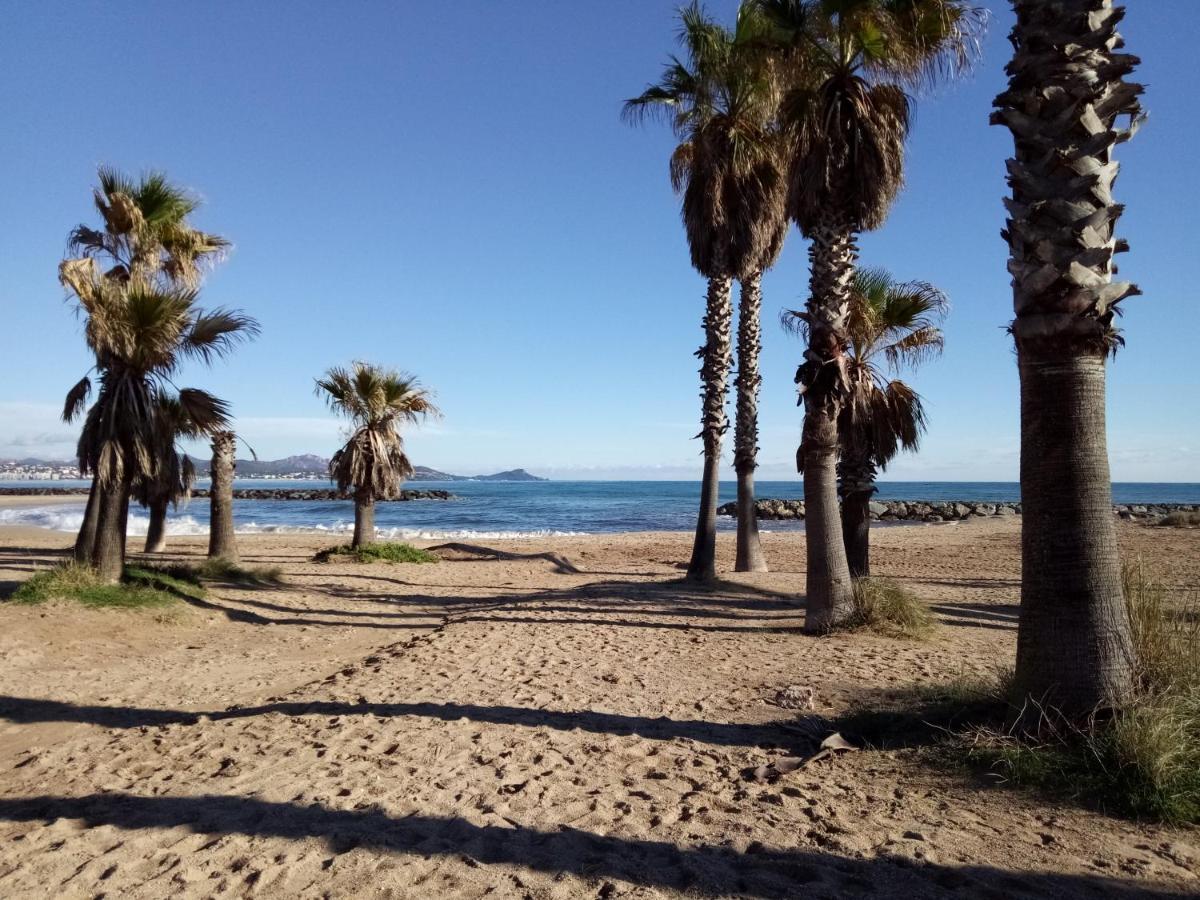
x: 222, y: 543
x: 86, y: 539
x: 714, y: 374
x: 1065, y: 96
x: 750, y: 556
x: 822, y: 380
x: 364, y: 518
x: 1073, y: 646
x: 108, y: 551
x: 156, y: 532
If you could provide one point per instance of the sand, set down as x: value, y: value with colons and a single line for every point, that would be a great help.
x: 571, y: 722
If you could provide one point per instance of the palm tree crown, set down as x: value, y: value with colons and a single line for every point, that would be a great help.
x: 846, y: 68
x: 146, y: 233
x: 377, y: 400
x: 892, y: 326
x: 720, y: 101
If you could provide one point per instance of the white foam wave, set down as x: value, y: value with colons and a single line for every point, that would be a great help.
x: 69, y: 518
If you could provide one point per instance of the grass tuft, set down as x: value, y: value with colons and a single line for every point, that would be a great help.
x: 381, y: 552
x: 1181, y: 519
x: 884, y: 607
x: 139, y: 588
x: 1142, y: 760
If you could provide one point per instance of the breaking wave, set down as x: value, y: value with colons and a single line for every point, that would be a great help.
x: 69, y: 518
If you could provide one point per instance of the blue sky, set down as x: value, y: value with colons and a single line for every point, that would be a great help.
x: 448, y: 188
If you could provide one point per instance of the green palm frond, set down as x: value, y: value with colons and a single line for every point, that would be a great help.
x: 215, y: 334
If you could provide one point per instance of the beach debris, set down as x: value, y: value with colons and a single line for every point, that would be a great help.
x: 795, y: 696
x: 834, y: 743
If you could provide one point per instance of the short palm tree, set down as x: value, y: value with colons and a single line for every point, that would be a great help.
x: 373, y: 462
x: 721, y: 102
x: 846, y: 68
x: 1068, y: 105
x: 892, y: 326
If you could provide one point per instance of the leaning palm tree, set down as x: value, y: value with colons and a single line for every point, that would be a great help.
x: 847, y: 68
x: 720, y: 102
x: 373, y: 462
x: 1068, y: 103
x: 139, y: 334
x: 892, y: 326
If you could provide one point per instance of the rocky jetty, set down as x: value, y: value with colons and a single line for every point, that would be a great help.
x: 240, y: 494
x: 947, y: 510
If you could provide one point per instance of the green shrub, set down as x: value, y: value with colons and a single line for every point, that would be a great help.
x: 882, y: 606
x: 385, y: 552
x: 138, y: 588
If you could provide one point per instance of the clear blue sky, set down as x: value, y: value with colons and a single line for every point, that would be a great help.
x: 447, y: 187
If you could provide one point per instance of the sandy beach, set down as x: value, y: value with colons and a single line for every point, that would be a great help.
x: 569, y: 721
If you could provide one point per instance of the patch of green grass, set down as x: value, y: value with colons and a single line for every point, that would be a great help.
x: 1181, y: 519
x: 884, y: 607
x: 381, y: 552
x: 1142, y: 760
x: 218, y: 570
x: 138, y: 588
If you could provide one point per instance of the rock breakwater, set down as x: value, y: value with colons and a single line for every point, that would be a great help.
x: 946, y: 510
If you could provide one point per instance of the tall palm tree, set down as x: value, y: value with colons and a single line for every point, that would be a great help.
x: 720, y: 101
x: 174, y: 472
x: 892, y: 326
x: 373, y: 462
x: 1068, y: 105
x: 146, y: 241
x: 847, y: 67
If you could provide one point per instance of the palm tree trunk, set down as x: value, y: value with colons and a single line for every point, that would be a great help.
x: 1066, y: 104
x: 156, y: 533
x: 750, y: 556
x: 221, y: 541
x: 108, y: 551
x: 714, y: 374
x: 86, y: 540
x: 822, y: 379
x: 364, y: 517
x: 856, y: 485
x: 1074, y: 651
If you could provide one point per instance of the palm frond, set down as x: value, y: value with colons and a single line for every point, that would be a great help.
x: 76, y: 400
x: 215, y: 334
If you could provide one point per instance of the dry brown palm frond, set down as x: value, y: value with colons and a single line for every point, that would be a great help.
x: 378, y: 400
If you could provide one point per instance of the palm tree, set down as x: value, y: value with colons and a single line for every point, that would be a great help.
x: 372, y: 462
x: 846, y: 67
x: 1066, y: 103
x: 720, y: 102
x: 222, y: 544
x: 145, y: 241
x: 891, y: 326
x: 174, y: 472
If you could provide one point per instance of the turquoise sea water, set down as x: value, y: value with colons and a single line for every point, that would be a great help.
x: 498, y: 509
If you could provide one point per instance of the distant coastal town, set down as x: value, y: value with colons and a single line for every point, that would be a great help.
x: 294, y: 468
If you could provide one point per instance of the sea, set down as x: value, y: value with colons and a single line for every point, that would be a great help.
x: 497, y: 510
